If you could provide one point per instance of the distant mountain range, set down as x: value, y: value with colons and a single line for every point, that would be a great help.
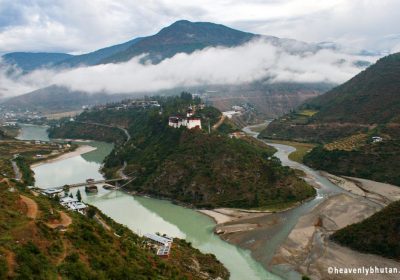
x: 180, y: 37
x: 59, y: 99
x: 30, y: 61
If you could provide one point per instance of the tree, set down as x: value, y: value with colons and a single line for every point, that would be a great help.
x: 78, y: 195
x: 186, y: 96
x: 70, y: 195
x: 91, y: 212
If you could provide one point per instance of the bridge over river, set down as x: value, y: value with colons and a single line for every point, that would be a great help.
x: 87, y: 183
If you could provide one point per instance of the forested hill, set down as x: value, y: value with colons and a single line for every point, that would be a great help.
x: 371, y: 97
x: 192, y: 166
x: 379, y: 234
x: 370, y: 100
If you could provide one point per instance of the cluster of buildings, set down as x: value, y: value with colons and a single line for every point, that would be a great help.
x: 163, y: 244
x: 9, y: 117
x: 236, y: 110
x: 70, y: 203
x: 189, y: 121
x: 73, y: 204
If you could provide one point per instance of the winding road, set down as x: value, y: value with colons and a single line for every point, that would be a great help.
x: 128, y: 136
x: 120, y: 172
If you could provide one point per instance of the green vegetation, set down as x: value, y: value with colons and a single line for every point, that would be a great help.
x: 292, y: 128
x: 192, y: 166
x: 368, y: 100
x: 27, y: 174
x: 307, y: 113
x: 80, y: 130
x: 9, y: 131
x: 375, y: 161
x: 378, y: 234
x: 33, y: 249
x: 349, y: 143
x: 3, y: 135
x: 209, y: 171
x: 345, y: 119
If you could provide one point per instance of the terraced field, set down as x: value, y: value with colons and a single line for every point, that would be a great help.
x: 349, y: 143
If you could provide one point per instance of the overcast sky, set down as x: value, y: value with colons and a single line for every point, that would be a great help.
x: 77, y: 26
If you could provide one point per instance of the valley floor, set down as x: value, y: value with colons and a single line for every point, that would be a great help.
x: 307, y: 249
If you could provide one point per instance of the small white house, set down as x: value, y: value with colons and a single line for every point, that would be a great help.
x: 175, y: 121
x: 193, y: 123
x: 53, y: 192
x: 376, y: 139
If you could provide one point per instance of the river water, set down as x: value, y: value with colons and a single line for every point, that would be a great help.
x: 325, y: 189
x: 141, y: 214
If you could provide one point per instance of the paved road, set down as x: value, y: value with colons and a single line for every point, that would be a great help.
x: 219, y: 123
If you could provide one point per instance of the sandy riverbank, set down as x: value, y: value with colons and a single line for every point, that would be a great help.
x: 375, y: 191
x: 309, y: 250
x: 79, y: 151
x: 225, y: 215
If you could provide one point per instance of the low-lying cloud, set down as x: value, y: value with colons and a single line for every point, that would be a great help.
x: 257, y: 60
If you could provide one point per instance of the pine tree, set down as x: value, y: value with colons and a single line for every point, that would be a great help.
x: 78, y: 195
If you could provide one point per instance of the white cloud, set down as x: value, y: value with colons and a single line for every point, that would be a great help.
x: 85, y: 25
x: 254, y: 61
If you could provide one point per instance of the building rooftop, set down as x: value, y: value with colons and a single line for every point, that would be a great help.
x: 157, y: 238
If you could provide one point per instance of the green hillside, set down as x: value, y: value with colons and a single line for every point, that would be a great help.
x: 34, y: 245
x: 375, y: 161
x: 378, y: 234
x: 192, y: 166
x: 370, y: 99
x: 40, y: 239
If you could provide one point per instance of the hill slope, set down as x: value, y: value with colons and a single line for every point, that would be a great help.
x: 373, y: 96
x: 35, y: 248
x: 43, y: 240
x: 369, y: 99
x: 96, y: 57
x: 59, y: 99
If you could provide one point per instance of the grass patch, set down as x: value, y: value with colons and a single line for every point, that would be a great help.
x: 301, y: 149
x: 307, y: 113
